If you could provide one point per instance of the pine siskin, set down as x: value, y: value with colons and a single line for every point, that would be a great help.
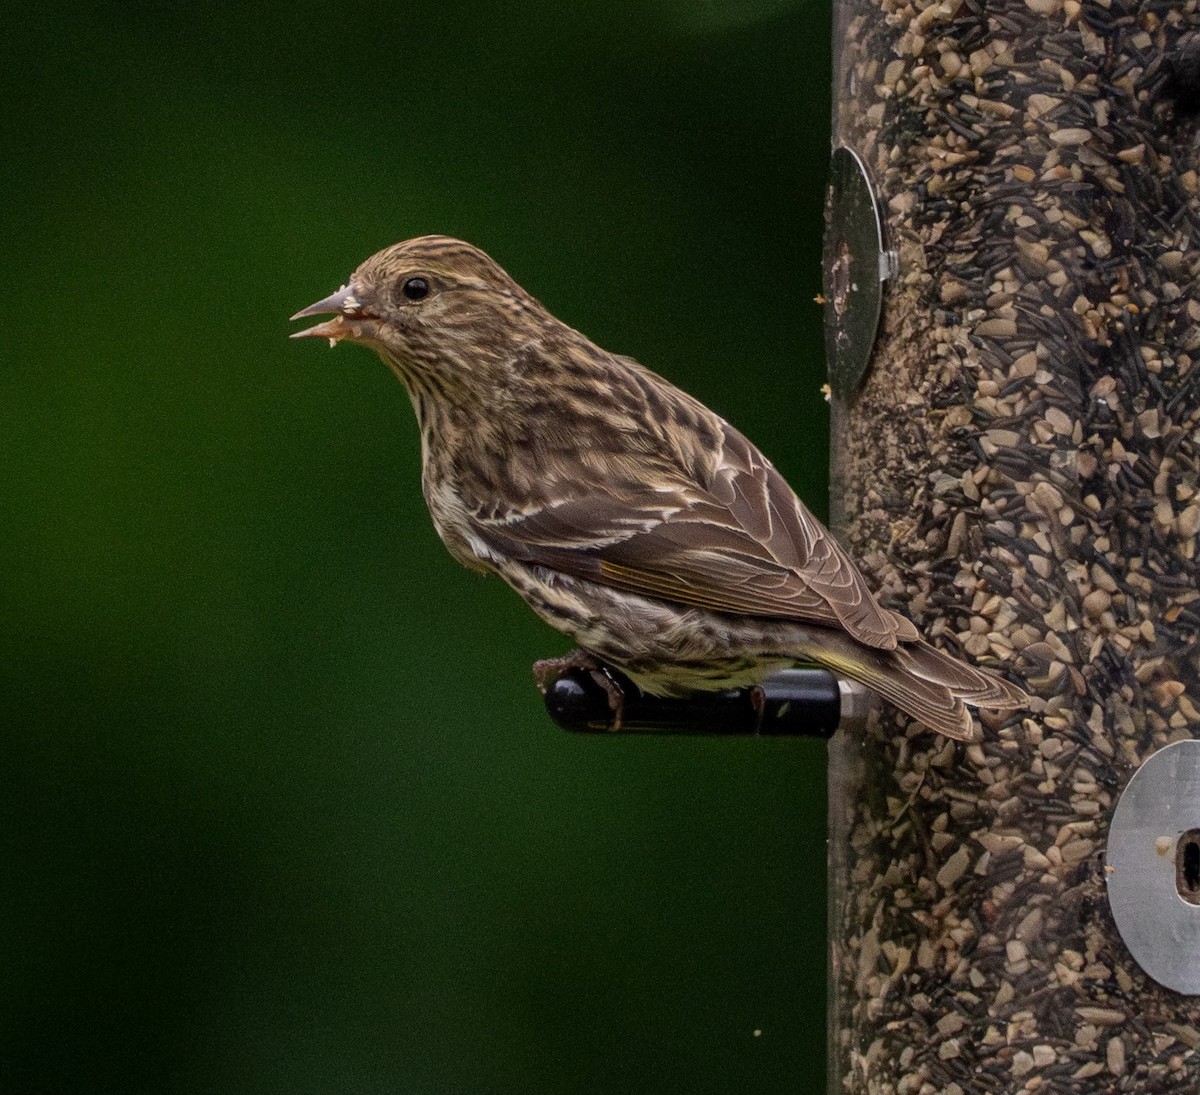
x: 624, y: 512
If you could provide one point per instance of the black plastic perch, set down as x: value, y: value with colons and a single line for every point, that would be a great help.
x: 791, y: 703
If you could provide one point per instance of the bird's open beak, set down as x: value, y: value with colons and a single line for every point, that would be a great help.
x: 345, y: 304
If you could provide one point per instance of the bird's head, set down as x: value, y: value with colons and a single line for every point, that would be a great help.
x: 440, y: 312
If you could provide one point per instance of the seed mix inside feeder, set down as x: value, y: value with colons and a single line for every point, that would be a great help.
x: 1019, y: 470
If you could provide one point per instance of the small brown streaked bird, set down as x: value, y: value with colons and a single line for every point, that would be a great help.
x: 624, y: 512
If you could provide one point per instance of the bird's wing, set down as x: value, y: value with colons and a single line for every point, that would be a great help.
x: 741, y: 543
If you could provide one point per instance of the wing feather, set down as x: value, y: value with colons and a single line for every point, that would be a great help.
x: 742, y: 543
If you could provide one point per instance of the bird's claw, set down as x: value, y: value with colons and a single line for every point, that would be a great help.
x: 548, y: 670
x: 758, y: 702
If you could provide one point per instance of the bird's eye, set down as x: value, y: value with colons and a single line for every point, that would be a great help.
x: 415, y: 289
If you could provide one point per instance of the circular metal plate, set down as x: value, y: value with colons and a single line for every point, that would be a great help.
x: 855, y: 265
x: 1153, y: 867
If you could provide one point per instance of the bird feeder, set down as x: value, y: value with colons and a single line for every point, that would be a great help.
x: 1014, y: 327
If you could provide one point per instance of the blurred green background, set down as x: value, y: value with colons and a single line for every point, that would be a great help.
x: 280, y: 810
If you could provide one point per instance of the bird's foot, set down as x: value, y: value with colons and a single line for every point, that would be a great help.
x: 758, y: 703
x: 548, y: 670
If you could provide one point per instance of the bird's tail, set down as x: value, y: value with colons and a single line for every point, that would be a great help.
x: 922, y: 681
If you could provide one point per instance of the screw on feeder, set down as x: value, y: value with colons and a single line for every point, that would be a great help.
x: 791, y: 703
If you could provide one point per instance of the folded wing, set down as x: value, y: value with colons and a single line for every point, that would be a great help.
x: 741, y: 542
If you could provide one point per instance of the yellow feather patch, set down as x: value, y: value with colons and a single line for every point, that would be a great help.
x: 847, y: 667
